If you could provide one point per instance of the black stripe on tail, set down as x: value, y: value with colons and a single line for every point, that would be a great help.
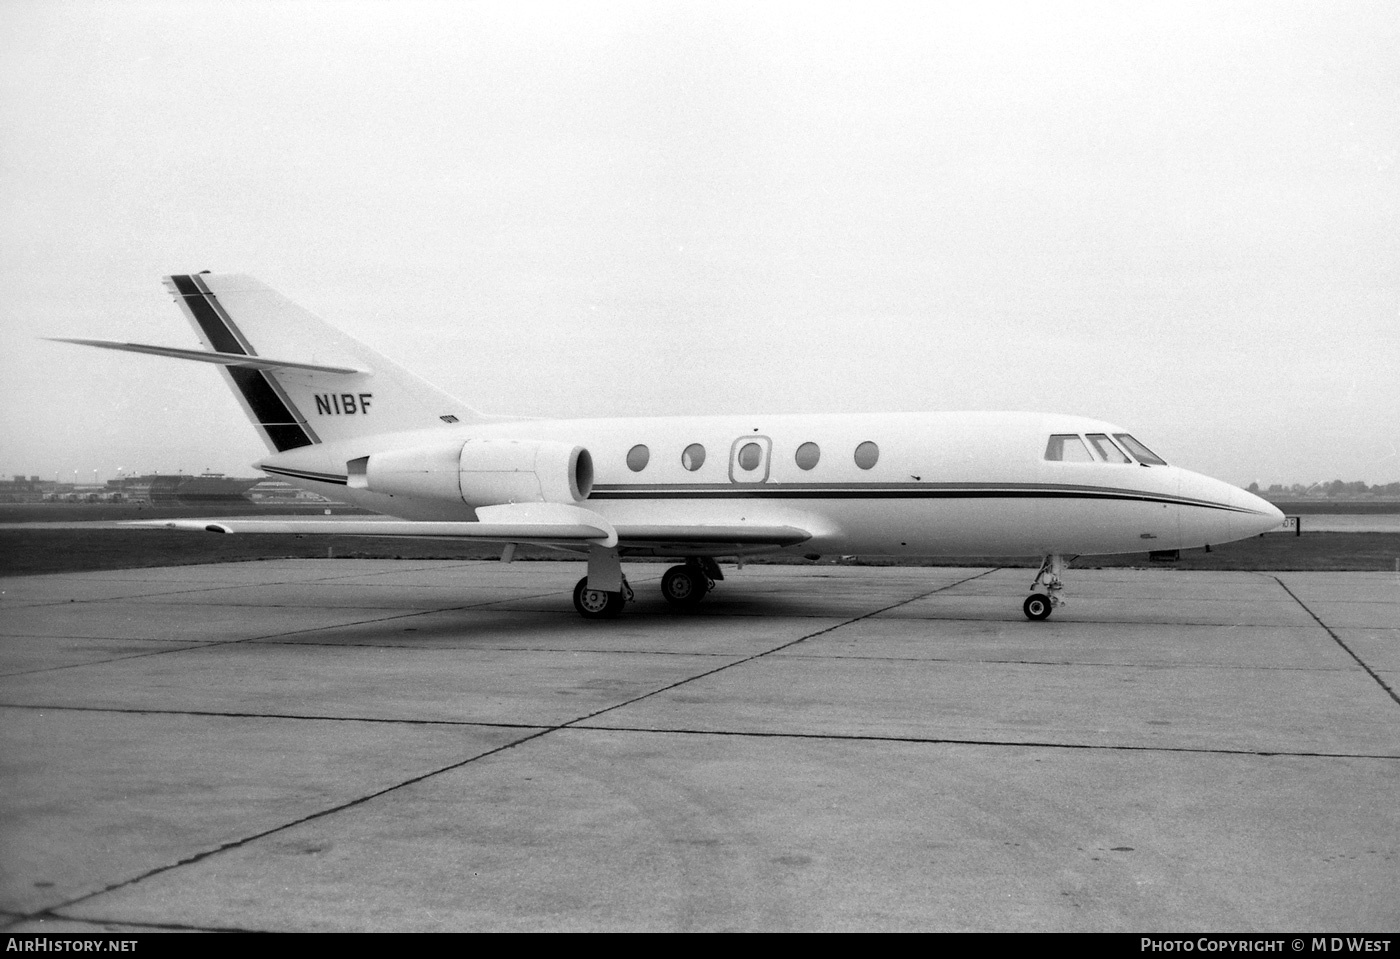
x: 273, y: 410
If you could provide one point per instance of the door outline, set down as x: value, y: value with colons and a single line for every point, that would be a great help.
x: 758, y: 474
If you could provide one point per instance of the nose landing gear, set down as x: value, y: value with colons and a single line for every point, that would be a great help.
x: 1039, y: 605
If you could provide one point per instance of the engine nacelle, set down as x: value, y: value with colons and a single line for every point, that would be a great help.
x: 479, y: 472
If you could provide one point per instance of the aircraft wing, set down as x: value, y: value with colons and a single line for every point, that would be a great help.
x: 538, y: 524
x: 543, y: 524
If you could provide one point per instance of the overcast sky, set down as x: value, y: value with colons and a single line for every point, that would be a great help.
x: 1182, y: 218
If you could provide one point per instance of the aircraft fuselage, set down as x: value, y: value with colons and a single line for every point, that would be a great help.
x: 900, y: 484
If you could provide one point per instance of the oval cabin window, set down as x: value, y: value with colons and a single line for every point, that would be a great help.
x: 637, y: 458
x: 867, y: 455
x: 750, y: 456
x: 807, y: 455
x: 694, y: 457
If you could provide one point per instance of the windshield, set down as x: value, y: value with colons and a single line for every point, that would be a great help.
x: 1143, y: 454
x: 1067, y: 448
x: 1107, y: 451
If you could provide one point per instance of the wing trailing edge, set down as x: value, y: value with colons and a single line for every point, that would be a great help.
x: 537, y: 524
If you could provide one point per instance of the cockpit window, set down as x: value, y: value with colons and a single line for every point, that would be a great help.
x: 1143, y: 454
x: 1067, y: 448
x: 1106, y: 449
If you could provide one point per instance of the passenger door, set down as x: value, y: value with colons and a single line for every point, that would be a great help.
x: 748, y: 459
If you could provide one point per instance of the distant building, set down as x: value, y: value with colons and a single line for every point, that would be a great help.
x: 25, y: 489
x: 280, y: 491
x: 181, y: 489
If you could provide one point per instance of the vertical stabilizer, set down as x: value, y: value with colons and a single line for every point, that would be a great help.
x: 236, y: 314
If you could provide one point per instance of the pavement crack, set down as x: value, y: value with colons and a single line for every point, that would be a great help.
x: 300, y: 820
x: 1008, y: 743
x: 536, y: 734
x: 779, y: 648
x: 1342, y: 643
x: 235, y: 714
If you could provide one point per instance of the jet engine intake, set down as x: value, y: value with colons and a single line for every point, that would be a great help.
x: 484, y: 472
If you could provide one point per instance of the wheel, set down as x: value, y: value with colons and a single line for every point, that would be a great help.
x: 596, y: 603
x: 1037, y: 606
x: 683, y: 586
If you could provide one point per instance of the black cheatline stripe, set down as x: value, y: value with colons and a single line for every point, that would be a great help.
x: 756, y: 492
x: 656, y: 493
x: 307, y: 475
x: 271, y: 408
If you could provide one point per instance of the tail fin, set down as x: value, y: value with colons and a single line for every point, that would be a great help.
x: 325, y: 386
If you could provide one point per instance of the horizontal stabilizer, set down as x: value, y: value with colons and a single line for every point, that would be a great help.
x: 240, y: 360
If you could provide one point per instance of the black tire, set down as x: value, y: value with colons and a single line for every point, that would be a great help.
x: 1037, y: 606
x: 683, y: 586
x: 596, y: 603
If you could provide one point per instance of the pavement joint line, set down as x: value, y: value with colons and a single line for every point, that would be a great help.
x: 230, y: 714
x: 1338, y: 640
x: 818, y: 657
x: 205, y: 588
x: 1101, y: 622
x: 493, y: 649
x: 110, y: 659
x: 735, y: 733
x: 319, y: 814
x: 739, y: 734
x: 953, y: 741
x: 581, y: 724
x: 272, y: 581
x: 97, y: 639
x: 133, y: 925
x: 778, y: 648
x: 262, y: 640
x: 694, y: 616
x: 340, y: 807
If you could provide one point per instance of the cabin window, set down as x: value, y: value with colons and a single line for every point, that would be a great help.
x: 694, y: 457
x: 1107, y: 451
x: 1143, y: 454
x: 750, y: 456
x: 637, y: 458
x: 867, y: 454
x: 807, y: 455
x: 1067, y: 448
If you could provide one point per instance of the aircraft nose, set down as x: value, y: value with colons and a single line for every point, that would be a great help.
x: 1262, y: 516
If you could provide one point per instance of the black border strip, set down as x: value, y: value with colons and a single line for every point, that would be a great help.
x: 307, y: 475
x: 886, y: 491
x: 284, y: 426
x: 846, y: 492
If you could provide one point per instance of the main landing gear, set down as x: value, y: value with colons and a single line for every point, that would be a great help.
x: 600, y: 603
x: 684, y: 586
x: 1039, y: 605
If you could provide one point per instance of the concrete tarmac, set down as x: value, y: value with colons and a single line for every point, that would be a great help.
x: 403, y: 745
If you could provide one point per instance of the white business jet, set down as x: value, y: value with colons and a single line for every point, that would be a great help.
x: 341, y: 420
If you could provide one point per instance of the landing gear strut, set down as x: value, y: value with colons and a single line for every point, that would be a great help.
x: 1039, y: 605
